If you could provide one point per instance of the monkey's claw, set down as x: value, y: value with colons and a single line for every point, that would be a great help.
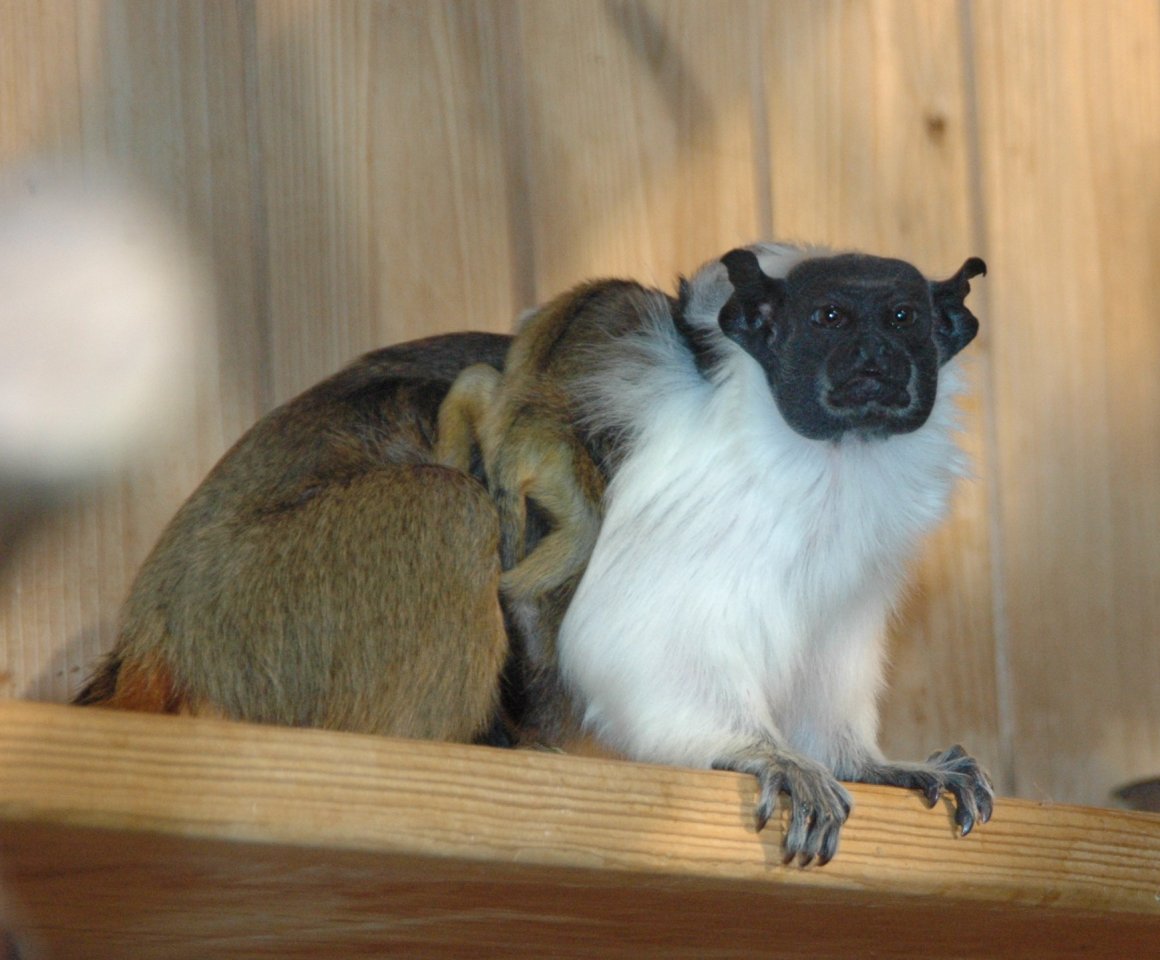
x: 951, y: 771
x: 819, y: 805
x: 968, y: 783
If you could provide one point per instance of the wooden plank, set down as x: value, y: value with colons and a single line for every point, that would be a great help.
x: 386, y: 195
x: 640, y: 155
x: 1069, y: 111
x: 869, y: 143
x: 148, y: 837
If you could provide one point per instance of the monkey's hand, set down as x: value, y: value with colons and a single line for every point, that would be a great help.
x: 950, y: 772
x: 819, y: 804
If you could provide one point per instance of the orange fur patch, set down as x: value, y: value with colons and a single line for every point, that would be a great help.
x: 146, y: 686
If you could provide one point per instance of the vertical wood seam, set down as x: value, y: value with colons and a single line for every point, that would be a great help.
x: 980, y: 232
x: 759, y: 112
x: 259, y: 214
x: 515, y: 153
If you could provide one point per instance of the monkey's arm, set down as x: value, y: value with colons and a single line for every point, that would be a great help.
x: 530, y: 455
x: 463, y: 417
x: 852, y: 731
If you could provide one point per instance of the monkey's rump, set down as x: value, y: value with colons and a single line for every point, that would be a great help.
x: 310, y: 626
x: 327, y: 572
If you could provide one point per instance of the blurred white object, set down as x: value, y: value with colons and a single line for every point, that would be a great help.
x: 103, y: 317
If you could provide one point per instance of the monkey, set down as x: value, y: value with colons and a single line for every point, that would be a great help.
x: 696, y: 520
x: 328, y: 572
x: 547, y: 487
x: 726, y: 487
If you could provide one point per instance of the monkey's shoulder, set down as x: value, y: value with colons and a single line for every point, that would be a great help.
x: 560, y: 361
x: 565, y: 338
x: 440, y: 358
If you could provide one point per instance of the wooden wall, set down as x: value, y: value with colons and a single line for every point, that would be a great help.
x: 363, y: 172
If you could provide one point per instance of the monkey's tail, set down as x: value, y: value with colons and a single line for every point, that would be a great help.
x: 128, y: 684
x: 102, y: 685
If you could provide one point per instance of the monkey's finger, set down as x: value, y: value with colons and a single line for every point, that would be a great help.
x: 771, y: 786
x: 845, y: 802
x: 931, y: 786
x: 815, y: 834
x: 966, y: 806
x: 796, y: 837
x: 819, y: 811
x: 764, y: 812
x: 829, y: 845
x: 948, y: 756
x: 822, y: 837
x: 984, y: 798
x: 974, y: 793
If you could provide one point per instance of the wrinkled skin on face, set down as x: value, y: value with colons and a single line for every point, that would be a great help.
x: 851, y: 345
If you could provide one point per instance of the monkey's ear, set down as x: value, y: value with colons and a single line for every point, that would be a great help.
x: 954, y: 325
x: 749, y: 316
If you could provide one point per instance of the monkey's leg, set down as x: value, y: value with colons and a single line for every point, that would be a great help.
x: 369, y: 604
x: 541, y: 464
x: 462, y: 416
x: 819, y: 804
x: 547, y: 491
x: 423, y: 639
x: 950, y: 772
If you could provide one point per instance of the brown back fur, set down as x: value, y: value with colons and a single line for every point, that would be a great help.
x: 328, y: 572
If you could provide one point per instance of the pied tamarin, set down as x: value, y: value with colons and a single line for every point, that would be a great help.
x: 704, y: 507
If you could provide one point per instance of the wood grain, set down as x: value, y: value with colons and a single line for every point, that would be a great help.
x: 39, y: 82
x: 384, y: 182
x: 640, y: 149
x: 171, y: 837
x: 1070, y: 109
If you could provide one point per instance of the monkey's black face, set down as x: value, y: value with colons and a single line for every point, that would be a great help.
x: 857, y: 352
x: 851, y: 345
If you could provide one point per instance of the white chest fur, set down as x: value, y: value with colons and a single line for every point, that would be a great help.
x: 743, y: 575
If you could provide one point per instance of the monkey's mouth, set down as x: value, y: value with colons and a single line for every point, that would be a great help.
x: 867, y: 390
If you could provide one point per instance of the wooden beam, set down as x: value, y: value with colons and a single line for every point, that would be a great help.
x: 143, y: 837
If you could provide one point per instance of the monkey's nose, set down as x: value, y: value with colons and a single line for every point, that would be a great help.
x: 871, y: 356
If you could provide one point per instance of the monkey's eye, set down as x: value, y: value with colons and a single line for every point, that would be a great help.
x: 830, y: 317
x: 901, y: 317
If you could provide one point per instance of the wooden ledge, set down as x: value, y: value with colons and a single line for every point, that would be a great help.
x: 144, y: 837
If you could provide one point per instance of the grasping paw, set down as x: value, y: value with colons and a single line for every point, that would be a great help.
x: 967, y: 782
x: 819, y: 805
x: 952, y: 771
